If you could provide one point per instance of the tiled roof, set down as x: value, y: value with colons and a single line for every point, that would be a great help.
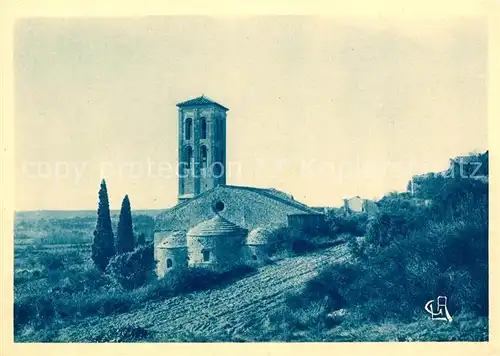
x: 201, y: 100
x: 217, y: 226
x: 174, y: 240
x: 248, y: 207
x: 277, y: 195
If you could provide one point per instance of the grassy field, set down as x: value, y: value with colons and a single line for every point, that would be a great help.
x: 67, y: 235
x: 55, y: 227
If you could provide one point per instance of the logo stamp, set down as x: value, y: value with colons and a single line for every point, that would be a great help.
x: 441, y: 309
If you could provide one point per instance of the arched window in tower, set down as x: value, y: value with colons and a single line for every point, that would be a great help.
x: 217, y: 128
x: 188, y: 127
x: 203, y: 128
x: 189, y: 156
x: 204, y: 155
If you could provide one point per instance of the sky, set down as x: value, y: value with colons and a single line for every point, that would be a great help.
x: 321, y: 108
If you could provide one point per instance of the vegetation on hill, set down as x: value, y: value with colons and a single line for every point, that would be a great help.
x: 411, y: 253
x: 141, y: 239
x: 68, y: 291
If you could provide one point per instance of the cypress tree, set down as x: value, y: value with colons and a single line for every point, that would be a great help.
x: 103, y: 245
x: 125, y: 233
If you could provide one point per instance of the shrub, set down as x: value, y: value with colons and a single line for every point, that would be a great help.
x: 133, y: 269
x: 85, y: 304
x: 93, y: 279
x: 280, y: 240
x: 339, y: 222
x: 72, y: 282
x: 189, y: 280
x: 421, y: 252
x: 459, y: 252
x: 280, y: 234
x: 23, y: 312
x: 160, y: 289
x: 194, y: 279
x: 68, y: 307
x: 26, y: 276
x: 300, y: 246
x: 332, y: 285
x: 141, y: 239
x: 395, y: 220
x: 87, y: 293
x: 285, y: 244
x: 115, y: 304
x: 47, y: 335
x: 51, y: 261
x: 68, y: 296
x: 37, y: 311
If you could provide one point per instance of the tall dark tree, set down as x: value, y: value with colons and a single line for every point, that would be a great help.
x: 103, y: 245
x: 125, y: 233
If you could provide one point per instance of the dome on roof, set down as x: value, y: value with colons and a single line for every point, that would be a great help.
x: 258, y: 236
x: 217, y: 226
x: 174, y: 240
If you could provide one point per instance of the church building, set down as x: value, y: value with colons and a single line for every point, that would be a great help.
x: 215, y: 225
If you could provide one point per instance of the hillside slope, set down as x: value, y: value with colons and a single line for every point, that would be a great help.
x: 220, y: 314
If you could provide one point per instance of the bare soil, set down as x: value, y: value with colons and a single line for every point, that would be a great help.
x: 221, y: 313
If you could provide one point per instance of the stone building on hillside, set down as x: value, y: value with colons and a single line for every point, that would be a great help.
x: 209, y: 227
x: 171, y: 252
x: 257, y: 246
x: 216, y: 243
x: 360, y: 205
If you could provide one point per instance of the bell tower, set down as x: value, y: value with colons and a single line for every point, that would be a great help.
x: 202, y: 146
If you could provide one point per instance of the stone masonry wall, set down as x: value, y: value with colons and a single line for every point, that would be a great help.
x: 225, y: 251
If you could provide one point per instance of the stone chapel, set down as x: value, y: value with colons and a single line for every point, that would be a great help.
x: 216, y: 225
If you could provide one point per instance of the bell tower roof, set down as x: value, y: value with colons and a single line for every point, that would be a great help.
x: 200, y: 101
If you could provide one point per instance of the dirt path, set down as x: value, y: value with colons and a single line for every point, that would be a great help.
x: 222, y: 311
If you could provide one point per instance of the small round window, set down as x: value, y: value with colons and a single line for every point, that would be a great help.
x: 217, y: 170
x: 219, y: 206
